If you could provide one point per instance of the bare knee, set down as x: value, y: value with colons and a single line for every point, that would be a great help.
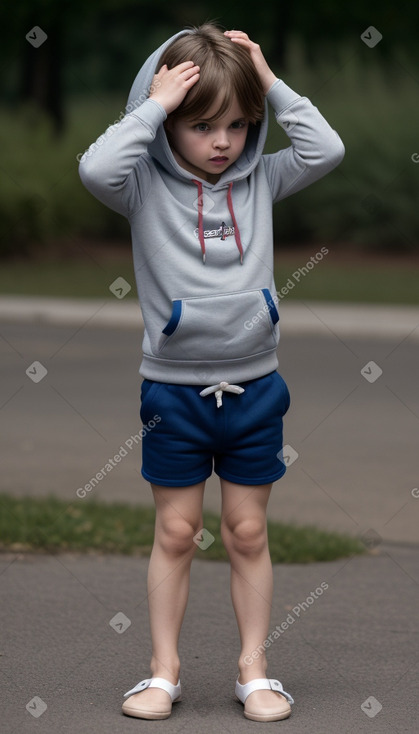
x: 175, y: 535
x: 247, y: 536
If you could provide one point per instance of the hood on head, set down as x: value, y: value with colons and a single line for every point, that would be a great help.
x: 160, y: 149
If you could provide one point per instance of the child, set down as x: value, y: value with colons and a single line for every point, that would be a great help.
x: 186, y: 167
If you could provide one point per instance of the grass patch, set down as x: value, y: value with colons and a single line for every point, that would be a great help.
x: 54, y: 525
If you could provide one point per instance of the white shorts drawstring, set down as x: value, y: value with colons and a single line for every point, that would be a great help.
x: 219, y: 389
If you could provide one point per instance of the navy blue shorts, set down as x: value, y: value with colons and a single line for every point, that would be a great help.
x: 186, y: 436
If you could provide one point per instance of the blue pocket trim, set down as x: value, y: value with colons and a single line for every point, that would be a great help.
x: 174, y: 319
x: 273, y: 311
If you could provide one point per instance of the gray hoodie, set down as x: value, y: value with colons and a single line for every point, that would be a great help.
x: 203, y: 253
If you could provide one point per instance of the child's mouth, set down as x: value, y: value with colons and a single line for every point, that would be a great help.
x: 219, y: 159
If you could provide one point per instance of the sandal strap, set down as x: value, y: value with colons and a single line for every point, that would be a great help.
x: 260, y: 684
x: 174, y: 691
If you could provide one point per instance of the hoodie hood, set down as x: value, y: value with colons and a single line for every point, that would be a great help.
x: 160, y: 149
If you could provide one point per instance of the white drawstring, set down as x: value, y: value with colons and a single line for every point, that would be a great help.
x: 219, y: 389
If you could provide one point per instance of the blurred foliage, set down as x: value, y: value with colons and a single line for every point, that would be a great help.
x: 98, y: 46
x: 60, y: 97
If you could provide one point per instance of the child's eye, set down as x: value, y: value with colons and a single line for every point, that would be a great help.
x: 202, y: 127
x: 238, y: 124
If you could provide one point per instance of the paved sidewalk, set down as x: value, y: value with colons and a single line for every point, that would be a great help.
x: 349, y: 656
x: 308, y: 317
x: 76, y: 637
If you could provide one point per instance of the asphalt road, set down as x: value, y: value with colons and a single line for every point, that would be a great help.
x: 349, y: 658
x: 356, y: 439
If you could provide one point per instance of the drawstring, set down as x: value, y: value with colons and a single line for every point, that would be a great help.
x: 219, y: 389
x: 201, y: 220
x: 236, y: 229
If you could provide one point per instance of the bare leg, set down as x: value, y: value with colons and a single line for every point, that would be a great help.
x: 178, y: 519
x: 244, y: 534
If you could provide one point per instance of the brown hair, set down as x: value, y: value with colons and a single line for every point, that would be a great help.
x: 224, y: 66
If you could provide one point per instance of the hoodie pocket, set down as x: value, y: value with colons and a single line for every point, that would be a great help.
x: 221, y: 327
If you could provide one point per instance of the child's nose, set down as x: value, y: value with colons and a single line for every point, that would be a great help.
x: 221, y: 140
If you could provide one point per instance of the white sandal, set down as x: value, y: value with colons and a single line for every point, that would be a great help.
x: 258, y: 684
x: 133, y: 709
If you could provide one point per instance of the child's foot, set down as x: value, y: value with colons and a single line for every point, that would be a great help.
x: 153, y: 702
x: 149, y: 704
x: 268, y: 704
x: 265, y: 704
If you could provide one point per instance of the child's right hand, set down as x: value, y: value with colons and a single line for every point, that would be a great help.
x: 169, y: 86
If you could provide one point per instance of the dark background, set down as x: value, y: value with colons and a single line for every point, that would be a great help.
x: 58, y: 98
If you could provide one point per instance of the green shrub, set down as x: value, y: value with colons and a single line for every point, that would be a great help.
x: 367, y: 201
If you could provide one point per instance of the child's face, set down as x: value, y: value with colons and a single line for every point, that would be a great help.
x: 208, y: 149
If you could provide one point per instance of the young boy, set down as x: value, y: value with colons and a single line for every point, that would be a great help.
x: 186, y: 167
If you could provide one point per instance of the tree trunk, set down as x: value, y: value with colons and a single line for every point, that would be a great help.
x: 41, y: 73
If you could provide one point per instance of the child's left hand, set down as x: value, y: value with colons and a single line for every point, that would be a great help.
x: 266, y: 75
